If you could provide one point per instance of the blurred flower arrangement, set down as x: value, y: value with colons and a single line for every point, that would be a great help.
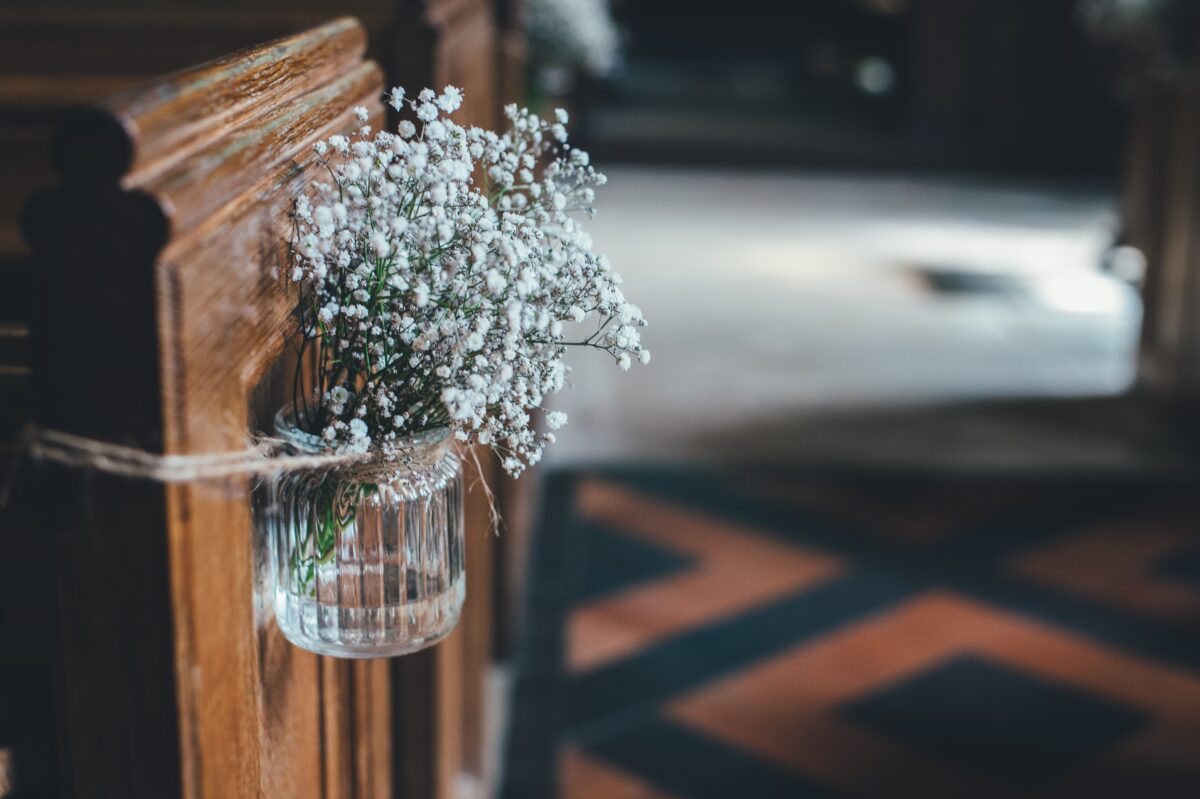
x: 572, y: 35
x: 434, y: 301
x: 1163, y: 30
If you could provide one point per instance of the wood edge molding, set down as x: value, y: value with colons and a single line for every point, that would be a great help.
x: 173, y: 116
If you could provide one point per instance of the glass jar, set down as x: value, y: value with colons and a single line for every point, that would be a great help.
x: 367, y: 558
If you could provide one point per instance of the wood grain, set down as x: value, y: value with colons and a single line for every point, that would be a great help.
x: 53, y: 58
x: 478, y: 622
x: 167, y: 234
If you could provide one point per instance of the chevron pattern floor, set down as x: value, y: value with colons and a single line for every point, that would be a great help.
x: 697, y: 635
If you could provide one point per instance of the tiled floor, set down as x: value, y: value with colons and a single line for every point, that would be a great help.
x: 705, y: 635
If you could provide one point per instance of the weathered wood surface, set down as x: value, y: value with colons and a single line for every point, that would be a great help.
x: 167, y: 233
x: 53, y: 58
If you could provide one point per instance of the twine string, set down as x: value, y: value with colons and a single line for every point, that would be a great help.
x: 264, y: 456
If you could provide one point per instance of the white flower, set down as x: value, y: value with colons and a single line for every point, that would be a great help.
x: 496, y: 282
x: 450, y: 100
x: 434, y: 301
x: 572, y: 33
x: 396, y: 98
x: 555, y: 419
x: 380, y: 245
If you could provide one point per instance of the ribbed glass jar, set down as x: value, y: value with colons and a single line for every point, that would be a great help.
x: 365, y: 565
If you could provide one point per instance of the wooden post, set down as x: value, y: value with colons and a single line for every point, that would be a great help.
x: 163, y: 306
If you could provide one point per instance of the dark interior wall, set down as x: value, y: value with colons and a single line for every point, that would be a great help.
x: 1014, y: 83
x: 991, y: 84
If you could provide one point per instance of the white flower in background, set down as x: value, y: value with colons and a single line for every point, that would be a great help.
x: 1122, y: 12
x: 1163, y: 29
x: 573, y: 33
x: 433, y: 300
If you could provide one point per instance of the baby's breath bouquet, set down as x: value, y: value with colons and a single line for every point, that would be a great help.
x: 444, y: 272
x: 572, y: 34
x: 1163, y: 31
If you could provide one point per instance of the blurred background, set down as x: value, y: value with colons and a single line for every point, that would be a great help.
x: 906, y: 502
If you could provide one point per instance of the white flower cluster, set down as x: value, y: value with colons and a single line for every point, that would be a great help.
x: 573, y: 33
x: 436, y: 300
x: 1130, y: 21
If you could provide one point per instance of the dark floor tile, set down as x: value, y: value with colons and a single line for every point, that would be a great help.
x: 689, y: 765
x: 616, y: 561
x: 1015, y: 729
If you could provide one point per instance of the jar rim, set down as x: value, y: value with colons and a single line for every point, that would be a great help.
x: 287, y: 429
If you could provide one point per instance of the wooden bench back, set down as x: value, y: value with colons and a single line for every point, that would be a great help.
x: 54, y: 57
x: 162, y: 305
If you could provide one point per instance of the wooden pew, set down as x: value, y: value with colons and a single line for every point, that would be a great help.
x: 55, y: 57
x: 1160, y: 214
x: 161, y: 320
x: 52, y: 58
